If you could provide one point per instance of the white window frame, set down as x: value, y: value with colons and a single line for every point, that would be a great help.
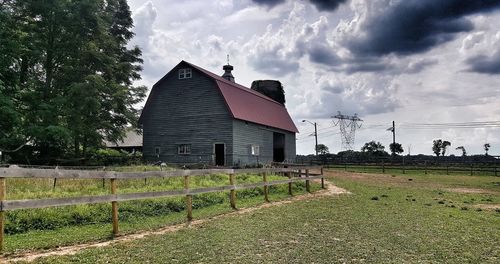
x: 255, y: 150
x: 184, y: 149
x: 185, y: 73
x: 157, y: 151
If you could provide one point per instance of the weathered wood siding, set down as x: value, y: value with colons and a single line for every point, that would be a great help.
x: 246, y: 134
x: 187, y: 111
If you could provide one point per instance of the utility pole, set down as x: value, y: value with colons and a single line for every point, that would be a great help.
x: 393, y: 133
x: 315, y: 134
x: 393, y: 130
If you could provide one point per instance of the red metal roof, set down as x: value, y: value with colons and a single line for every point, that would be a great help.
x: 249, y: 105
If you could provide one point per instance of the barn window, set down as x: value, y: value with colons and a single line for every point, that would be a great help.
x: 255, y: 150
x: 184, y: 149
x: 185, y: 73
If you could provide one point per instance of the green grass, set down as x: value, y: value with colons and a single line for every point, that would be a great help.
x: 52, y: 227
x: 409, y: 222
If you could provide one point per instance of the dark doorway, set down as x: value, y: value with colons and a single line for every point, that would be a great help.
x: 220, y: 154
x: 278, y: 147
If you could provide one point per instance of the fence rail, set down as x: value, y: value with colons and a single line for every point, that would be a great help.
x: 301, y: 173
x: 446, y: 168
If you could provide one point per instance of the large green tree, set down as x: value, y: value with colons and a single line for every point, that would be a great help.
x: 70, y: 74
x: 437, y: 144
x: 322, y: 149
x: 374, y: 148
x: 12, y: 134
x: 396, y: 148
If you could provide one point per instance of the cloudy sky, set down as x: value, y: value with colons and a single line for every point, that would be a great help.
x: 415, y: 62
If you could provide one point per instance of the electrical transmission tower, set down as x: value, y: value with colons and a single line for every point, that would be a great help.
x: 348, y: 125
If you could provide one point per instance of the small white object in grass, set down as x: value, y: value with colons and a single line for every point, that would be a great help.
x: 163, y: 164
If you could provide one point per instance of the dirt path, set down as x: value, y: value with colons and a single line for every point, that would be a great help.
x: 71, y: 250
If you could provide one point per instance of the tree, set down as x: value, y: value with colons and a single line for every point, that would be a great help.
x: 12, y: 135
x: 486, y: 148
x: 464, y: 153
x: 436, y: 146
x: 322, y: 149
x: 374, y: 148
x: 66, y: 74
x: 396, y: 148
x: 444, y: 145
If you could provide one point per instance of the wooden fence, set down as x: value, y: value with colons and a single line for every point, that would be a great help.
x: 294, y: 174
x: 470, y: 169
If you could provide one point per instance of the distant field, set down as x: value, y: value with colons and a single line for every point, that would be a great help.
x: 390, y: 218
x: 52, y: 227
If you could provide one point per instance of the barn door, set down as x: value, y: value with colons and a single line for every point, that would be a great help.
x: 220, y: 154
x: 278, y: 147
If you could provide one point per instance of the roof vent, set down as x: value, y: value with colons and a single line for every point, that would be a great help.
x: 227, y: 71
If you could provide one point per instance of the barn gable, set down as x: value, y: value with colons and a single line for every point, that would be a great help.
x: 243, y: 103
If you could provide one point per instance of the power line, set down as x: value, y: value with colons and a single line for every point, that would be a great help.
x: 458, y: 125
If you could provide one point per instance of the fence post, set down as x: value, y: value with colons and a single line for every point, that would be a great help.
x: 383, y: 167
x: 425, y: 167
x: 232, y: 195
x: 266, y: 188
x: 322, y: 179
x: 447, y: 169
x: 404, y: 172
x: 289, y: 174
x: 3, y: 195
x: 471, y: 168
x: 308, y: 185
x: 114, y: 208
x: 496, y: 171
x: 189, y: 199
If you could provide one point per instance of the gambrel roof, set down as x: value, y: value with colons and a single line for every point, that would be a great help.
x: 246, y: 104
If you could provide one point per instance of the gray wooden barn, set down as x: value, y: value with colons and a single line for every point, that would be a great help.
x: 195, y: 116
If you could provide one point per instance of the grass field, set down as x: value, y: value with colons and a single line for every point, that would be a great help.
x: 391, y: 218
x: 33, y: 229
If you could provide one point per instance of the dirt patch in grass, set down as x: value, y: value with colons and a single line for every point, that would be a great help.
x: 71, y: 250
x: 488, y: 206
x: 372, y: 177
x: 442, y: 182
x: 470, y: 190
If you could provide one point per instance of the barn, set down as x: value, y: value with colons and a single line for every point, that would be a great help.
x: 195, y: 116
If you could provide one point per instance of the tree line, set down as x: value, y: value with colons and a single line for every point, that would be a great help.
x: 66, y: 77
x: 377, y: 149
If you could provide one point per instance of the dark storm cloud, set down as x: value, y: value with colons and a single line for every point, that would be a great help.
x: 269, y: 3
x: 327, y: 5
x: 414, y: 26
x: 485, y: 64
x: 266, y: 61
x: 321, y: 5
x: 323, y: 55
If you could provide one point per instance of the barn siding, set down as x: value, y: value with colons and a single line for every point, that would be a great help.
x: 188, y: 111
x: 246, y: 134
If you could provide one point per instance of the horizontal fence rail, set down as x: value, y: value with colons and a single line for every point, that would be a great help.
x: 18, y: 172
x: 301, y: 173
x: 382, y: 167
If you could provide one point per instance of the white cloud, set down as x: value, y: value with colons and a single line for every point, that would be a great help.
x: 309, y: 52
